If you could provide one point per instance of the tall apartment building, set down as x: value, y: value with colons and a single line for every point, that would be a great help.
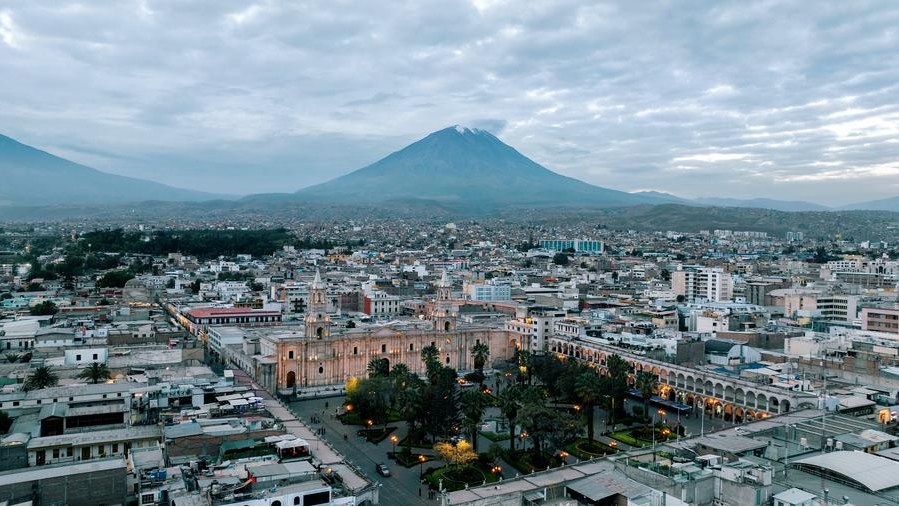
x: 578, y: 245
x: 701, y: 284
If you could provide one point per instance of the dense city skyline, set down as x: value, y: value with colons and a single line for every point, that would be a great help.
x: 777, y: 100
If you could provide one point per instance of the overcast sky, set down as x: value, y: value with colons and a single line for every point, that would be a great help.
x: 787, y: 100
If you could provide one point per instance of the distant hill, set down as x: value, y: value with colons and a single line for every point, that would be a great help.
x: 31, y: 177
x: 464, y: 167
x: 761, y: 203
x: 889, y: 204
x: 664, y: 197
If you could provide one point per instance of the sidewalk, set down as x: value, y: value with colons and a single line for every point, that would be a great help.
x: 308, y: 393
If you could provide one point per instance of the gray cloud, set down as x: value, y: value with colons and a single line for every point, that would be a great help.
x: 774, y: 98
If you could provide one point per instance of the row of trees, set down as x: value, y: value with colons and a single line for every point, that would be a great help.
x: 433, y: 407
x: 43, y: 376
x: 573, y: 382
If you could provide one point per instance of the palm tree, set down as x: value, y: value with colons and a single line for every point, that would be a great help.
x: 95, y: 372
x: 410, y: 402
x: 431, y: 361
x: 525, y: 368
x: 13, y: 357
x: 480, y: 351
x: 617, y: 379
x: 400, y: 370
x: 378, y: 367
x: 508, y: 405
x: 646, y: 382
x: 587, y: 387
x: 472, y: 404
x: 40, y: 378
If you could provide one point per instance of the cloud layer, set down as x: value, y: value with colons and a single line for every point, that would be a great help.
x: 786, y: 100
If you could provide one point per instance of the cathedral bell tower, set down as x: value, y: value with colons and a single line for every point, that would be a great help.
x: 318, y: 322
x: 444, y: 318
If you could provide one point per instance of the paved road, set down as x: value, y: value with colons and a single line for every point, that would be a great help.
x: 402, y: 487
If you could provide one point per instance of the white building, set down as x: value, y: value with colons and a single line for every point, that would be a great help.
x: 86, y: 355
x: 699, y: 284
x: 533, y: 330
x: 489, y: 292
x: 221, y: 337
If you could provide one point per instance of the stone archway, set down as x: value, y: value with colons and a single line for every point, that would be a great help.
x: 719, y: 390
x: 291, y: 379
x: 728, y: 412
x: 761, y: 402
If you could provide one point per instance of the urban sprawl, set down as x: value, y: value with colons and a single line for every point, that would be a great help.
x: 424, y: 363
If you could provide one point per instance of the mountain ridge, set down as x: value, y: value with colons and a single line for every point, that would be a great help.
x: 35, y: 177
x: 464, y: 165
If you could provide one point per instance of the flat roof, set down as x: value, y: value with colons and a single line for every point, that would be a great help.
x: 731, y: 443
x: 872, y: 472
x: 91, y: 437
x: 48, y: 472
x: 199, y: 313
x: 795, y: 496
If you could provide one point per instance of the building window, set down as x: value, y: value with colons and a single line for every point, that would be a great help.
x: 290, y: 355
x: 355, y: 350
x: 95, y: 357
x: 321, y: 369
x: 115, y: 448
x: 411, y: 347
x: 383, y: 348
x: 78, y: 357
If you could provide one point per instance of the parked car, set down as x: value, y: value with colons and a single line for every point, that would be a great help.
x: 383, y: 470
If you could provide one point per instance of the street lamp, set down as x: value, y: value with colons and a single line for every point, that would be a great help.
x: 662, y: 413
x: 393, y: 440
x: 701, y: 406
x: 421, y: 463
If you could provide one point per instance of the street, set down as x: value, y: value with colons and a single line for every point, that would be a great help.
x: 402, y: 487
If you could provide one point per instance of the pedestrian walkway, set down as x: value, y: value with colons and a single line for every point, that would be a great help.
x: 306, y: 393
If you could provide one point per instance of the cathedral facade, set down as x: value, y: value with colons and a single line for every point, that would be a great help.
x: 320, y: 357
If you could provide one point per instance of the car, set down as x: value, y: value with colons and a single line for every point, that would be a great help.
x: 383, y: 470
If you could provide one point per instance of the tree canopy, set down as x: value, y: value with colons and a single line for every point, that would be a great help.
x: 95, y: 372
x: 41, y: 378
x: 44, y: 308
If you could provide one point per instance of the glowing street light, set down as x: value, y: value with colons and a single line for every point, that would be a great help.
x: 421, y: 462
x: 393, y: 440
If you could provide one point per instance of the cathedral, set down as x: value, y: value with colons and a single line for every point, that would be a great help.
x: 322, y: 356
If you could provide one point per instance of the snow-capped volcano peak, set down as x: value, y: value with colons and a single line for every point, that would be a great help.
x: 463, y: 129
